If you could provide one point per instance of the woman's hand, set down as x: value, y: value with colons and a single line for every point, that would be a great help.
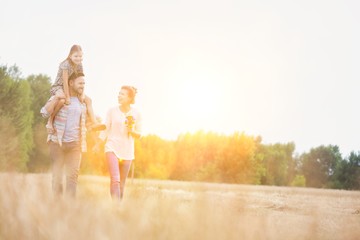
x: 133, y: 133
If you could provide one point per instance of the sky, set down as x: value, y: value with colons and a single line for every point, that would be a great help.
x: 287, y: 71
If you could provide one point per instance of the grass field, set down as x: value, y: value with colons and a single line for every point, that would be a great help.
x: 174, y: 210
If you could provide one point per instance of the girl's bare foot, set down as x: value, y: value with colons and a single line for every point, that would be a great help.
x: 49, y: 127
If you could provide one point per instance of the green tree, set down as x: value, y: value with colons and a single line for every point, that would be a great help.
x: 15, y: 111
x: 318, y: 166
x: 298, y: 181
x: 347, y: 173
x: 278, y: 162
x: 9, y: 145
x: 185, y: 154
x: 40, y: 93
x: 238, y: 159
x: 154, y: 157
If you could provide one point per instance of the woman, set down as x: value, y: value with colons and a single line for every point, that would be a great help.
x: 123, y: 125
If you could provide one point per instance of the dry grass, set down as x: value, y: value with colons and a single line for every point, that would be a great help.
x: 174, y: 210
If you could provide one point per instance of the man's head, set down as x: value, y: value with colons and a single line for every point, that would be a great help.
x: 76, y: 83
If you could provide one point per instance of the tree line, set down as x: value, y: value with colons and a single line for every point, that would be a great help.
x: 201, y: 156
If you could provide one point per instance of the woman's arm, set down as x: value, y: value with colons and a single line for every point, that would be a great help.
x: 136, y: 131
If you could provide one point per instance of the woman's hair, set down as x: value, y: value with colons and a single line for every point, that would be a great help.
x: 131, y: 92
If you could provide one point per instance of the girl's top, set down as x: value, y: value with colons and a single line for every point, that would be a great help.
x: 116, y: 135
x: 65, y: 65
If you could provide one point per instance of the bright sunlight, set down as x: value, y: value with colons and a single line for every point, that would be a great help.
x: 196, y: 99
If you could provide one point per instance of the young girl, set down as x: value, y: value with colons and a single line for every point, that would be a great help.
x: 60, y: 89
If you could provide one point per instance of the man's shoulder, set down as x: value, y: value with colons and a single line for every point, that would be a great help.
x: 74, y: 100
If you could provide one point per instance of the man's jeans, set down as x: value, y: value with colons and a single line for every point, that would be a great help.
x: 68, y: 156
x: 118, y: 174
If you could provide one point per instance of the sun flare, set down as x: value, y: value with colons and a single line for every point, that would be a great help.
x: 196, y: 99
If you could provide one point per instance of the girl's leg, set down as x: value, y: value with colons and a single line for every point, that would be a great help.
x: 49, y: 107
x: 113, y: 165
x: 124, y: 171
x: 50, y: 123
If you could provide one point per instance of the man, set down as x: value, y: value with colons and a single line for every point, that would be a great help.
x: 69, y: 139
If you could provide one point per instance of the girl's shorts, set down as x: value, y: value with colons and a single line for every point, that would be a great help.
x: 57, y: 90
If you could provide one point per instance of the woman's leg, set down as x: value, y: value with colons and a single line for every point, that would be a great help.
x: 113, y: 165
x: 124, y: 171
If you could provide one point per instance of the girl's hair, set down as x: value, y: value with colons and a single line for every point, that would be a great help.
x: 132, y: 91
x: 74, y: 48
